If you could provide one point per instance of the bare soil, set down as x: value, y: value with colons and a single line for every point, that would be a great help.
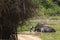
x: 27, y: 37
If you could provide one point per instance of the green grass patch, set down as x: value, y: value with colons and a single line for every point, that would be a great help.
x: 49, y: 36
x: 55, y: 25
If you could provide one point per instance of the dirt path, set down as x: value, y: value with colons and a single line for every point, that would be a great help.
x: 27, y: 37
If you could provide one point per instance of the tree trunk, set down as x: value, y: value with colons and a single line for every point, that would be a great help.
x: 11, y: 13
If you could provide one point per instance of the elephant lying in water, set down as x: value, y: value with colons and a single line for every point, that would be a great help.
x: 42, y: 28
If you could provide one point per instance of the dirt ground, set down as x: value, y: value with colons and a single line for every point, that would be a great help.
x: 27, y: 37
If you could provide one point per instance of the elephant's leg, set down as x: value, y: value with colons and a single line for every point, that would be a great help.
x: 35, y: 30
x: 42, y: 29
x: 30, y: 29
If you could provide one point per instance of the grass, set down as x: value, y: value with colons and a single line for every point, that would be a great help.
x: 55, y: 25
x: 49, y: 36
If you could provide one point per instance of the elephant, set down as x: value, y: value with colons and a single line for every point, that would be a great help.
x: 47, y: 29
x: 41, y: 28
x: 38, y: 27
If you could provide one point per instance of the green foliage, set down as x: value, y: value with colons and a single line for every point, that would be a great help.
x: 25, y: 27
x: 48, y: 7
x: 51, y: 12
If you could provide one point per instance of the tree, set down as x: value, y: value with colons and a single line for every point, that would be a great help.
x: 11, y: 13
x: 48, y: 7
